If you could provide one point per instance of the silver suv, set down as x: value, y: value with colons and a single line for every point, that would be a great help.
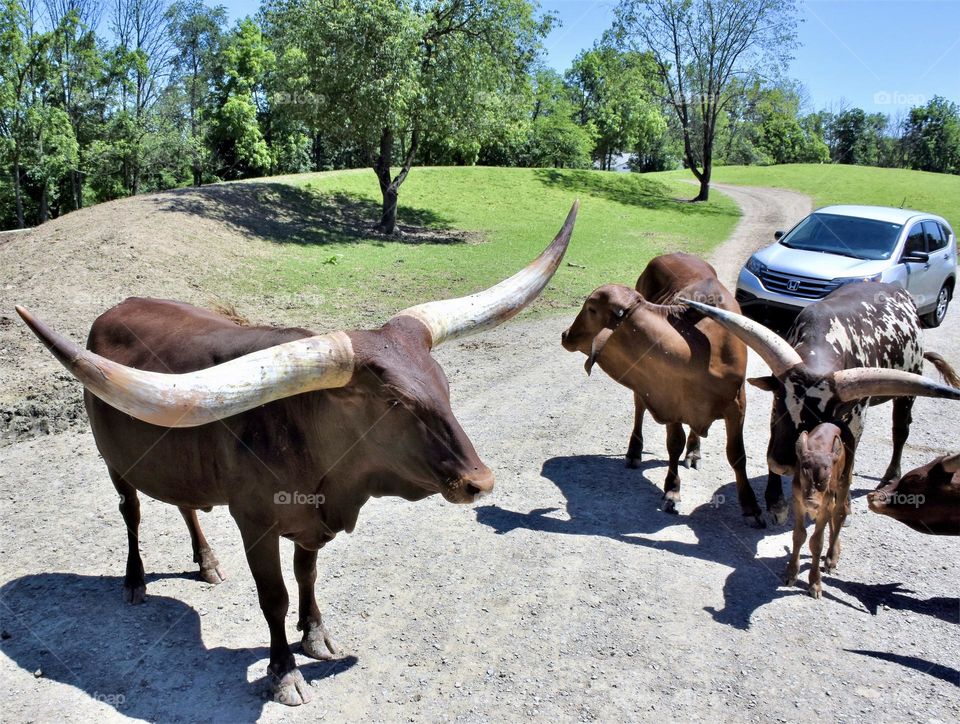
x: 840, y: 244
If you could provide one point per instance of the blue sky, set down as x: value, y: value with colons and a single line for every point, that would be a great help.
x: 879, y: 55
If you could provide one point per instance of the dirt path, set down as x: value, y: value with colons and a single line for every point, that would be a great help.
x: 764, y: 211
x: 566, y: 596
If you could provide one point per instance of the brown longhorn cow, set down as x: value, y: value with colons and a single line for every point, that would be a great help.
x: 293, y: 431
x: 681, y: 366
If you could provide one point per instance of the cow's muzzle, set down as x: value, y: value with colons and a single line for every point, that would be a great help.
x: 469, y: 488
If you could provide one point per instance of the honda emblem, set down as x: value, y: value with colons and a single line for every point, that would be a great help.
x: 793, y: 284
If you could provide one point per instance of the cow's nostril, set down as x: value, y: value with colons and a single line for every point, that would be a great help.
x: 472, y: 490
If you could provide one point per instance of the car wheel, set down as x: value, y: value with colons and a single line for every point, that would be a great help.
x: 936, y: 316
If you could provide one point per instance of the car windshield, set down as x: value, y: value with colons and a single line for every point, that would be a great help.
x: 844, y: 235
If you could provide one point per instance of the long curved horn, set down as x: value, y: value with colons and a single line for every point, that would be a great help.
x: 197, y: 398
x: 452, y: 318
x: 860, y: 382
x: 774, y: 350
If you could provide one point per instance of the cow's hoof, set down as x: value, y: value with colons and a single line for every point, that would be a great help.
x: 135, y: 595
x: 291, y: 689
x: 778, y: 512
x: 691, y: 461
x: 829, y: 565
x: 631, y: 463
x: 212, y: 575
x: 670, y: 501
x: 317, y: 644
x: 758, y: 522
x: 815, y: 590
x: 790, y: 577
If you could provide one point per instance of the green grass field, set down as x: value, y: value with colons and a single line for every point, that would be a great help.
x: 482, y: 224
x: 838, y: 184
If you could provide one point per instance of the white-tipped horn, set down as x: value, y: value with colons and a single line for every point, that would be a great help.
x: 197, y: 398
x: 774, y: 350
x: 452, y: 318
x: 861, y: 382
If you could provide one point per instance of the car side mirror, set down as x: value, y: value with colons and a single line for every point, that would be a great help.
x: 778, y: 234
x: 915, y: 257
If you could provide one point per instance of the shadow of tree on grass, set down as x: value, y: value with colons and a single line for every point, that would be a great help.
x: 287, y: 214
x: 629, y: 189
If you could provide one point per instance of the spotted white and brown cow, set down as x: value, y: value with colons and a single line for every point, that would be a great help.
x: 859, y: 346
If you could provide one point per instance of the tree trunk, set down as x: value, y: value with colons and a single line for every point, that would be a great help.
x: 390, y: 187
x: 704, y: 194
x: 17, y: 194
x: 44, y: 206
x: 388, y: 215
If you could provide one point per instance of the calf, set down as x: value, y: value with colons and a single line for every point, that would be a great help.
x: 926, y: 499
x: 821, y: 488
x: 684, y: 368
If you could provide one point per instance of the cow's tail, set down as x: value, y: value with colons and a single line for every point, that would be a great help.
x: 949, y: 374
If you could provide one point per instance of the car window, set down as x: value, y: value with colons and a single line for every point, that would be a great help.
x: 945, y: 230
x: 935, y: 240
x: 916, y: 240
x: 845, y: 235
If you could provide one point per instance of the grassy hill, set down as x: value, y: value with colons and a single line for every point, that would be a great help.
x: 468, y: 227
x: 839, y: 184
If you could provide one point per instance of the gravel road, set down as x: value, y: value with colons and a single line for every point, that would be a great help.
x: 567, y: 595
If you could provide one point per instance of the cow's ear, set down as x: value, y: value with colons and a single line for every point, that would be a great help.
x: 837, y: 447
x: 802, y: 443
x: 767, y: 384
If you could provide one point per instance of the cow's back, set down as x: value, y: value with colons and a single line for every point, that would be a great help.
x: 199, y: 466
x: 864, y: 324
x: 668, y: 274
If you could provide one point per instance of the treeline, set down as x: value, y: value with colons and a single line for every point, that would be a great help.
x: 99, y: 101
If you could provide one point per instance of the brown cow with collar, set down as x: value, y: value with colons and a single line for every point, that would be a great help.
x: 681, y: 366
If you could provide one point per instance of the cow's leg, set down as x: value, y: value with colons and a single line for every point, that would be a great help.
x: 816, y: 547
x: 134, y: 585
x: 841, y: 509
x: 671, y: 486
x: 776, y: 504
x: 635, y: 446
x: 692, y: 457
x: 202, y: 553
x: 316, y: 641
x: 737, y: 457
x: 262, y: 545
x: 799, y: 535
x: 902, y: 417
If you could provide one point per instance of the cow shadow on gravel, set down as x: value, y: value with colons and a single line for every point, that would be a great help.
x: 893, y: 595
x: 606, y: 499
x: 147, y: 662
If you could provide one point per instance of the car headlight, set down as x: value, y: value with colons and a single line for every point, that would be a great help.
x: 840, y: 281
x: 755, y: 266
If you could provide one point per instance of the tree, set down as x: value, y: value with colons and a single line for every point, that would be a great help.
x: 555, y: 138
x: 23, y: 67
x: 700, y: 47
x: 614, y: 91
x: 196, y: 30
x: 857, y: 137
x: 931, y: 137
x: 384, y: 75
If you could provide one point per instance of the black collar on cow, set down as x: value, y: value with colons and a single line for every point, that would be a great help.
x: 627, y: 312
